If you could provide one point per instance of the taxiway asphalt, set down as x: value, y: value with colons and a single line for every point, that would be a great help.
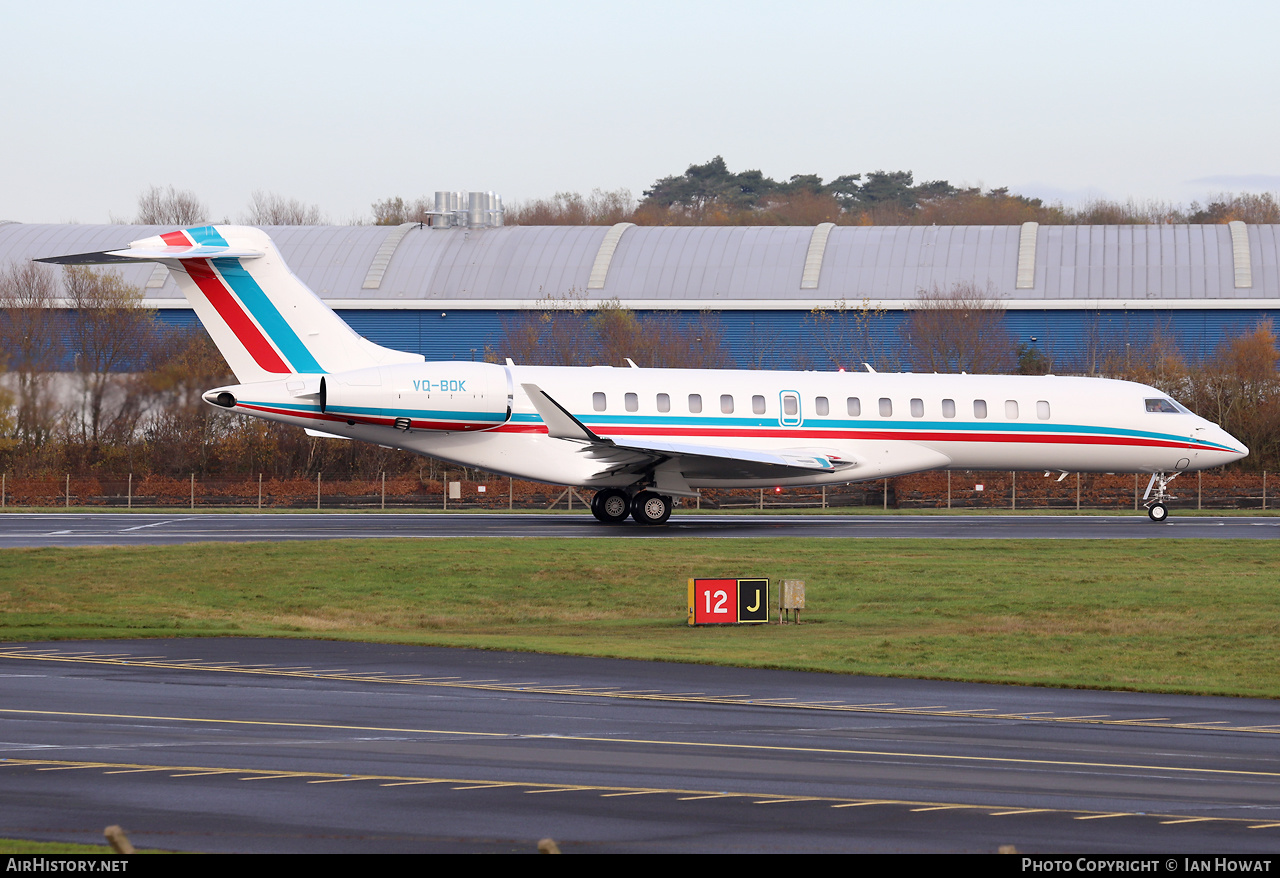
x: 100, y: 529
x: 305, y: 746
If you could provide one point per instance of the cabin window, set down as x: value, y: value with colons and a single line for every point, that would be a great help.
x: 757, y: 405
x: 1042, y: 409
x: 726, y: 404
x: 854, y: 406
x: 631, y: 402
x: 790, y: 405
x: 979, y: 408
x: 1162, y: 405
x: 886, y: 407
x: 917, y: 408
x: 822, y: 406
x: 948, y: 408
x: 597, y: 401
x: 695, y: 403
x: 1011, y: 409
x: 664, y: 402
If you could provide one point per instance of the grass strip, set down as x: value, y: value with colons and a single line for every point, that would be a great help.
x: 1192, y: 616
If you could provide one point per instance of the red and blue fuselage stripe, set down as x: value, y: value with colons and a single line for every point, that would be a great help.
x: 794, y: 434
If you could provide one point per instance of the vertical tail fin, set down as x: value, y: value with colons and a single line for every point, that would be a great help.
x: 266, y: 321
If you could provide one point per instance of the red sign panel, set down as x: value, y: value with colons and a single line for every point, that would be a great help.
x: 713, y: 601
x: 728, y: 601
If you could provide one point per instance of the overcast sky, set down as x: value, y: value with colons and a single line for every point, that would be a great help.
x: 318, y: 101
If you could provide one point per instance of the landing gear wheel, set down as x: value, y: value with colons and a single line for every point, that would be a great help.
x: 1157, y: 511
x: 650, y: 508
x: 610, y: 506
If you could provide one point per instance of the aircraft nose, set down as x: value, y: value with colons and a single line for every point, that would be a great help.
x: 1238, y: 450
x: 1219, y: 444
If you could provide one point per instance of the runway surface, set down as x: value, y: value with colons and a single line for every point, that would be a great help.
x: 249, y: 745
x: 101, y: 529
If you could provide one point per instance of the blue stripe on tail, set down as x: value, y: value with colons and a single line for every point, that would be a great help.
x: 263, y: 311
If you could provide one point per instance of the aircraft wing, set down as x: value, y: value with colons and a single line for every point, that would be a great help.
x: 719, y: 457
x: 691, y: 460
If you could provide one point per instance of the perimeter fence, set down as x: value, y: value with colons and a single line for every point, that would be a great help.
x: 929, y: 490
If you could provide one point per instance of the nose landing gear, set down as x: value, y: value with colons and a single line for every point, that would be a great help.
x: 1157, y: 511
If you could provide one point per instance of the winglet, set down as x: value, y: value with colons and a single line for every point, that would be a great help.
x: 560, y: 424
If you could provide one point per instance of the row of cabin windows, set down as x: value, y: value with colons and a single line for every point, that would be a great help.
x: 821, y: 406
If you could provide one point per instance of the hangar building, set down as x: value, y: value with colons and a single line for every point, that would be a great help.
x: 445, y: 292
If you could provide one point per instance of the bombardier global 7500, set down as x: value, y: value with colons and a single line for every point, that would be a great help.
x: 640, y: 437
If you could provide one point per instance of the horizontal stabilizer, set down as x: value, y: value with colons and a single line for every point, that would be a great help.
x: 199, y: 251
x: 131, y: 254
x: 104, y: 257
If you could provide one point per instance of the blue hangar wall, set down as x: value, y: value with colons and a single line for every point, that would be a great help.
x: 786, y: 339
x: 445, y: 293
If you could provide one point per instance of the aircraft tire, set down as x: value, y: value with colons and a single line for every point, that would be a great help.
x: 611, y: 506
x: 1157, y: 512
x: 650, y: 508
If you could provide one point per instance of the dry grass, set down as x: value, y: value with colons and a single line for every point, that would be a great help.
x: 1193, y: 616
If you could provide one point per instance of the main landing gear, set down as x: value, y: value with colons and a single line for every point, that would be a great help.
x: 1157, y: 510
x: 612, y: 506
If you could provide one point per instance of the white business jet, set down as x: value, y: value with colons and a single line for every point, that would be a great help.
x: 640, y: 437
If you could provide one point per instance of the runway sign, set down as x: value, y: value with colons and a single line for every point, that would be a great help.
x: 728, y: 601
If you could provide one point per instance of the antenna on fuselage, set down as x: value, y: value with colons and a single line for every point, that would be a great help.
x: 867, y: 366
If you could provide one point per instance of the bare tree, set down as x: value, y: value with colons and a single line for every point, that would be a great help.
x: 846, y: 335
x: 8, y: 413
x: 184, y: 433
x: 111, y: 334
x: 675, y: 343
x: 564, y: 337
x: 1239, y: 388
x: 1253, y: 208
x: 600, y: 208
x: 394, y: 211
x: 763, y: 347
x: 170, y: 207
x: 270, y: 209
x: 31, y: 337
x: 662, y: 341
x: 958, y: 330
x: 802, y: 208
x: 570, y: 333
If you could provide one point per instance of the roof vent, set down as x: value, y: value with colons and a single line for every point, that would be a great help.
x: 468, y: 210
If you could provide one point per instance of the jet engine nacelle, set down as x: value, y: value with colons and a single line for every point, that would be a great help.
x: 442, y: 396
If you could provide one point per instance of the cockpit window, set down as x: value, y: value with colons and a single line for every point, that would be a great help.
x: 1166, y: 406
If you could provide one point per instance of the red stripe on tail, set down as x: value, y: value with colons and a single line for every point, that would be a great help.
x: 234, y: 315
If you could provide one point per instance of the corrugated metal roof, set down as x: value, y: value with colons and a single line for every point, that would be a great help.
x: 737, y: 267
